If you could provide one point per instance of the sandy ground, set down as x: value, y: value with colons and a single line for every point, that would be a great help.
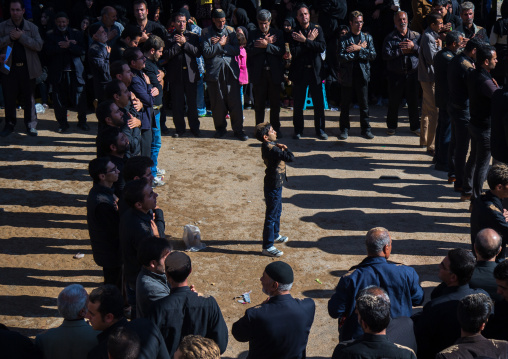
x: 334, y: 196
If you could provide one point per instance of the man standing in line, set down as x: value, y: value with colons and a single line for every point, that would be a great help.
x: 21, y: 38
x: 98, y: 56
x: 220, y: 46
x: 64, y: 47
x: 356, y: 50
x: 183, y: 73
x: 307, y: 44
x: 264, y: 50
x: 103, y: 220
x: 430, y: 45
x: 400, y: 51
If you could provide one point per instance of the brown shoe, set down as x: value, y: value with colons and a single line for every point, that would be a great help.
x: 465, y: 197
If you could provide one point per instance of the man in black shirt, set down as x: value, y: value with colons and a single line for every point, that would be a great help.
x: 103, y: 220
x: 356, y: 50
x: 130, y: 38
x: 481, y: 87
x: 64, y: 47
x: 275, y: 156
x: 113, y: 143
x: 182, y: 68
x: 147, y: 27
x: 307, y: 44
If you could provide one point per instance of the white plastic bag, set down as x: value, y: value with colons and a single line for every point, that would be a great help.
x: 192, y: 238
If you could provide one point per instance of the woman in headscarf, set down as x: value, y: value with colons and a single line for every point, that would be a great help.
x: 240, y: 18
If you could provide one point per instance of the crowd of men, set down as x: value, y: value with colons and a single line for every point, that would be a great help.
x: 436, y: 49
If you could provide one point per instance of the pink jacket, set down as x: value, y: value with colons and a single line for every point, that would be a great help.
x: 242, y: 63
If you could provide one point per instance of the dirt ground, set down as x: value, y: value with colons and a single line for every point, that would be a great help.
x: 335, y: 194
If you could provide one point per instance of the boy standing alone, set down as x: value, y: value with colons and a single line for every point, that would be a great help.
x: 275, y: 155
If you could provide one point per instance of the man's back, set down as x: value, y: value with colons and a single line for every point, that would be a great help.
x: 483, y: 278
x: 475, y: 346
x: 372, y: 346
x: 437, y: 326
x: 400, y: 282
x: 487, y: 212
x: 72, y: 339
x: 276, y: 329
x: 183, y: 312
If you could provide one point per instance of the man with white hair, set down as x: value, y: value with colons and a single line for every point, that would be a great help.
x: 74, y: 338
x: 400, y: 282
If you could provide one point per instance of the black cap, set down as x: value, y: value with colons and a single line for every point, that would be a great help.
x: 280, y: 272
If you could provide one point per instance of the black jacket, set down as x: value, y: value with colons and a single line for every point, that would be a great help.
x: 271, y: 57
x: 437, y: 326
x: 475, y: 346
x: 396, y: 61
x: 480, y: 88
x: 184, y: 312
x: 98, y: 57
x: 58, y: 55
x: 276, y: 329
x: 499, y: 125
x: 191, y: 50
x: 441, y: 62
x: 371, y: 346
x: 152, y: 344
x: 307, y: 53
x: 487, y: 212
x: 103, y: 224
x: 362, y: 57
x: 134, y: 227
x: 275, y: 161
x: 457, y: 80
x: 218, y: 57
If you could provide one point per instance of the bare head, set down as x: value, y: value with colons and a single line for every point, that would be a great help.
x: 378, y: 242
x: 487, y: 244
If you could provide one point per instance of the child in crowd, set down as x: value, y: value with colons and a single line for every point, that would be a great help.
x: 241, y: 34
x: 275, y: 155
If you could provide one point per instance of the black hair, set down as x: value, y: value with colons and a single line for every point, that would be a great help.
x: 433, y: 17
x: 112, y: 88
x: 179, y: 275
x: 137, y: 2
x: 262, y: 130
x: 497, y: 175
x: 472, y: 44
x: 133, y: 191
x: 98, y: 166
x: 136, y: 167
x: 473, y: 311
x: 116, y: 68
x: 131, y: 31
x: 462, y: 263
x: 501, y: 271
x: 123, y: 343
x: 103, y: 111
x: 110, y: 299
x: 484, y: 52
x: 153, y: 42
x: 107, y: 137
x: 131, y: 54
x: 152, y: 249
x: 373, y: 306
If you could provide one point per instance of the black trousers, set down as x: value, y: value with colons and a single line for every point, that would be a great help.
x: 263, y: 90
x: 225, y: 96
x: 67, y: 93
x: 397, y: 86
x: 113, y: 275
x: 17, y: 83
x: 316, y: 91
x: 183, y: 92
x: 361, y: 88
x: 146, y: 142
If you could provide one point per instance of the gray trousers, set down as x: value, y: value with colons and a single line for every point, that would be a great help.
x: 225, y: 97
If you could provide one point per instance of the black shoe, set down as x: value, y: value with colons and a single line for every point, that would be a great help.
x: 178, y: 134
x: 297, y: 136
x: 368, y: 135
x: 32, y: 132
x: 63, y: 128
x: 83, y: 126
x: 165, y: 130
x: 322, y: 136
x: 220, y: 133
x: 7, y: 131
x: 197, y: 133
x: 343, y: 134
x: 241, y: 136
